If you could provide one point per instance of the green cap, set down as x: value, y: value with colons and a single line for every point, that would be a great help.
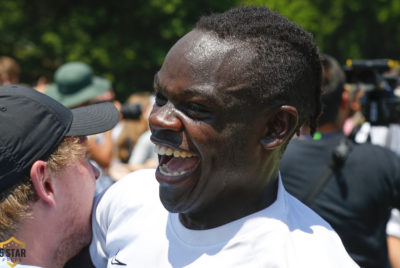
x: 75, y: 84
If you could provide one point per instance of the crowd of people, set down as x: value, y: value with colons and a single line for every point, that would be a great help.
x: 352, y: 186
x: 249, y: 153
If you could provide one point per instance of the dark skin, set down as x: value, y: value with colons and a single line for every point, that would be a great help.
x: 237, y: 145
x: 200, y: 109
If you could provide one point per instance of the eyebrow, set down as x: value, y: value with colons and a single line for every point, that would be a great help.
x: 187, y: 92
x: 157, y: 85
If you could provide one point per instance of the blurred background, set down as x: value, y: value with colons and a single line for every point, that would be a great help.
x: 126, y: 41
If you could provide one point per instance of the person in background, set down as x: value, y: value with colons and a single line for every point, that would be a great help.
x: 352, y: 186
x: 143, y: 154
x: 75, y: 85
x: 132, y: 130
x: 355, y: 118
x: 9, y: 71
x: 10, y: 74
x: 46, y: 182
x: 228, y: 98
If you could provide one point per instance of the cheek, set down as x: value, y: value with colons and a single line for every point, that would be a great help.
x: 88, y: 183
x: 239, y: 146
x: 85, y: 182
x: 224, y: 143
x: 84, y: 195
x: 218, y: 149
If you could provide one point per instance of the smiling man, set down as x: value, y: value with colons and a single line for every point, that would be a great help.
x: 229, y: 96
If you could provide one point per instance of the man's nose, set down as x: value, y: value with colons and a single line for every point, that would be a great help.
x: 165, y: 117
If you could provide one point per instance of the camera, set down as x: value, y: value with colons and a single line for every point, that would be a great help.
x: 131, y: 111
x: 380, y: 105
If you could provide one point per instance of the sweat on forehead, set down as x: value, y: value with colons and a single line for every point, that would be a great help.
x: 206, y: 45
x: 206, y: 53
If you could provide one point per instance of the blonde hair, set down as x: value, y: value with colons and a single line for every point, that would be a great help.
x: 9, y: 70
x: 15, y: 203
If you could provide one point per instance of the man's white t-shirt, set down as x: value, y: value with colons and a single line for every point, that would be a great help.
x: 131, y: 228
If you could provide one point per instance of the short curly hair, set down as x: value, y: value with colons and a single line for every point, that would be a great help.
x: 287, y: 68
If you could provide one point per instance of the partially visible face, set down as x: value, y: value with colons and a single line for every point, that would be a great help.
x: 207, y: 135
x: 6, y: 79
x: 76, y: 184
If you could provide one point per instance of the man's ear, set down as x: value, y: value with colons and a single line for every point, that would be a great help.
x: 280, y: 127
x: 43, y: 182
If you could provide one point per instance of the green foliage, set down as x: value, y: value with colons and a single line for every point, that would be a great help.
x: 126, y: 41
x: 346, y: 29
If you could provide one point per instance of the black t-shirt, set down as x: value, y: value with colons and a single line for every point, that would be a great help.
x: 356, y: 201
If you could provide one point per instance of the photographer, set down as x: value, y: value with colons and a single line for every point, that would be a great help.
x: 352, y: 186
x: 143, y: 154
x: 381, y: 126
x: 376, y: 82
x: 134, y: 150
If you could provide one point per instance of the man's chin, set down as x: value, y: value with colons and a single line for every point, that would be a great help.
x: 174, y: 201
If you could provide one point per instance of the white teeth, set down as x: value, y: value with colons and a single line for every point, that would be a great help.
x: 169, y: 151
x: 163, y: 150
x: 165, y: 173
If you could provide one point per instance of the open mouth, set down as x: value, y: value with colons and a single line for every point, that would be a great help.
x: 175, y: 163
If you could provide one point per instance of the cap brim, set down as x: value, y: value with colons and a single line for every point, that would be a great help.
x: 93, y: 119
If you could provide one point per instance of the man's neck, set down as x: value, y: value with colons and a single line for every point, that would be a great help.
x: 225, y: 210
x: 41, y: 239
x: 324, y: 129
x: 328, y: 128
x: 38, y: 248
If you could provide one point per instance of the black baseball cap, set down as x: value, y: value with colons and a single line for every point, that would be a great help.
x: 32, y: 125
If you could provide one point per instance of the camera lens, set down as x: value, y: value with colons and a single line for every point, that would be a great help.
x: 131, y: 111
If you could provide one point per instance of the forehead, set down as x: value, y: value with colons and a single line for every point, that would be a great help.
x: 198, y: 47
x: 203, y: 59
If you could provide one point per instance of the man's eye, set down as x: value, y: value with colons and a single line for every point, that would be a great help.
x: 160, y: 99
x: 196, y: 110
